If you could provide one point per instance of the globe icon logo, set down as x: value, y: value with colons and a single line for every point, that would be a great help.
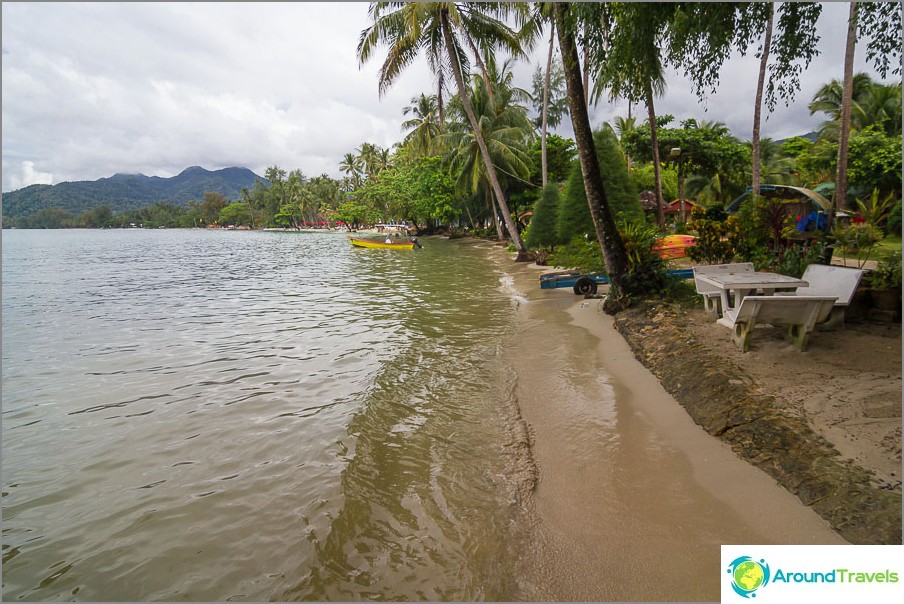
x: 748, y: 575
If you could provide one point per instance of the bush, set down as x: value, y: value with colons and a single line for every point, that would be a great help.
x: 893, y: 226
x: 581, y: 253
x: 646, y: 269
x: 541, y: 233
x: 574, y: 213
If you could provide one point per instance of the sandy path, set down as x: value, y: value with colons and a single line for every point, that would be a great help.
x: 633, y: 499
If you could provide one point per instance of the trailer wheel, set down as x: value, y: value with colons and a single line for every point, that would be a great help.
x: 585, y: 285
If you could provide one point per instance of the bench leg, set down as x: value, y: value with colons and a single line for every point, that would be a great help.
x: 835, y: 320
x: 740, y: 334
x: 799, y: 336
x: 712, y: 304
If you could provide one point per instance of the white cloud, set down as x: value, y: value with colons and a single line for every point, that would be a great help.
x: 91, y: 89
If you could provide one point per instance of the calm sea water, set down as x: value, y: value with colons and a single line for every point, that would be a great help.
x: 195, y: 415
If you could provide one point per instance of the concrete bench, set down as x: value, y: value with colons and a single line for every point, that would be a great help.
x: 711, y: 294
x: 799, y: 313
x: 825, y: 280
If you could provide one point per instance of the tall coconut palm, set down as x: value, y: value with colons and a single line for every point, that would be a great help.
x: 351, y: 165
x: 407, y: 27
x: 829, y: 99
x: 839, y: 198
x: 504, y: 126
x: 424, y: 128
x: 758, y: 103
x: 613, y: 247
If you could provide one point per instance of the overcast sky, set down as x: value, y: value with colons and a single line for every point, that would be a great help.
x: 90, y: 90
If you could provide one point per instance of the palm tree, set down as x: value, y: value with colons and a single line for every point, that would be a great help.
x: 504, y: 126
x: 829, y: 98
x: 407, y: 27
x: 424, y: 127
x: 758, y: 103
x: 632, y: 67
x: 839, y: 197
x: 351, y: 165
x: 613, y: 247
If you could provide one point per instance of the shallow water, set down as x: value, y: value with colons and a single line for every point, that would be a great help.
x: 205, y: 415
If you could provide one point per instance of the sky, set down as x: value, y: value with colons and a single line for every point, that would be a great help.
x: 94, y: 89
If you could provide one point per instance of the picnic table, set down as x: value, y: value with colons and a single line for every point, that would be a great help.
x: 740, y: 284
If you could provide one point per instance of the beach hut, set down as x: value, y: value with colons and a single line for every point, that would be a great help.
x: 809, y: 208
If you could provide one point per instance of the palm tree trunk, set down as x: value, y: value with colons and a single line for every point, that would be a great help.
x: 483, y: 70
x: 478, y: 136
x: 586, y: 78
x: 492, y: 207
x: 755, y: 142
x: 657, y: 166
x: 839, y: 200
x: 543, y: 164
x: 613, y: 247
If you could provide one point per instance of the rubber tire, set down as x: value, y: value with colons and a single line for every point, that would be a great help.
x: 584, y: 286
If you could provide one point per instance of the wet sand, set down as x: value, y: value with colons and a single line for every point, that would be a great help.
x: 633, y: 499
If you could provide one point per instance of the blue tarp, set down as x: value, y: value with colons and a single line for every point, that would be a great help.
x: 820, y: 220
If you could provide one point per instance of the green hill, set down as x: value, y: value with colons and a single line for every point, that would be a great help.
x: 129, y: 191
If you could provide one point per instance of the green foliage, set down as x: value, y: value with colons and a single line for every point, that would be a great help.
x: 893, y: 227
x: 874, y: 160
x: 646, y: 269
x: 574, y: 212
x: 560, y: 156
x: 716, y: 239
x: 793, y: 260
x: 708, y: 152
x: 644, y: 180
x: 876, y: 211
x: 887, y: 274
x: 415, y: 189
x: 856, y: 240
x: 237, y: 214
x: 581, y: 253
x: 542, y: 230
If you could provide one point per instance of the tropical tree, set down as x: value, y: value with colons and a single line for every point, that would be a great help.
x: 424, y: 127
x: 613, y: 248
x: 703, y: 34
x: 629, y: 65
x: 504, y: 126
x: 881, y: 22
x: 351, y: 165
x: 408, y: 27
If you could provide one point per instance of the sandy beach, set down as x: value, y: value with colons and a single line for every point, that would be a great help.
x: 633, y: 498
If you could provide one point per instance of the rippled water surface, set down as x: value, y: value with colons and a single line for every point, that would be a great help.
x: 194, y: 415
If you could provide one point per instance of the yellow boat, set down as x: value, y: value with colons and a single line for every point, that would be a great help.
x: 384, y: 244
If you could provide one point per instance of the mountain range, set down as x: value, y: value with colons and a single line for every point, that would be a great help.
x: 130, y: 191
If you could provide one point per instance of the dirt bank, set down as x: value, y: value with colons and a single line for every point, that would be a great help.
x: 825, y: 424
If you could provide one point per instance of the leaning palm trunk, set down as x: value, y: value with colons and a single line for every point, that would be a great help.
x: 613, y: 247
x: 841, y: 178
x: 484, y: 152
x: 488, y: 196
x: 657, y: 167
x: 755, y: 142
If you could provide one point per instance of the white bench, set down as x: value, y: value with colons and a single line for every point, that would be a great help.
x: 838, y: 281
x: 799, y: 313
x: 711, y: 294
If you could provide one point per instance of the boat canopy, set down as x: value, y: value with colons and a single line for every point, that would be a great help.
x: 784, y: 192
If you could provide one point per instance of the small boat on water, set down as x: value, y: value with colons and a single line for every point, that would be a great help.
x: 385, y: 244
